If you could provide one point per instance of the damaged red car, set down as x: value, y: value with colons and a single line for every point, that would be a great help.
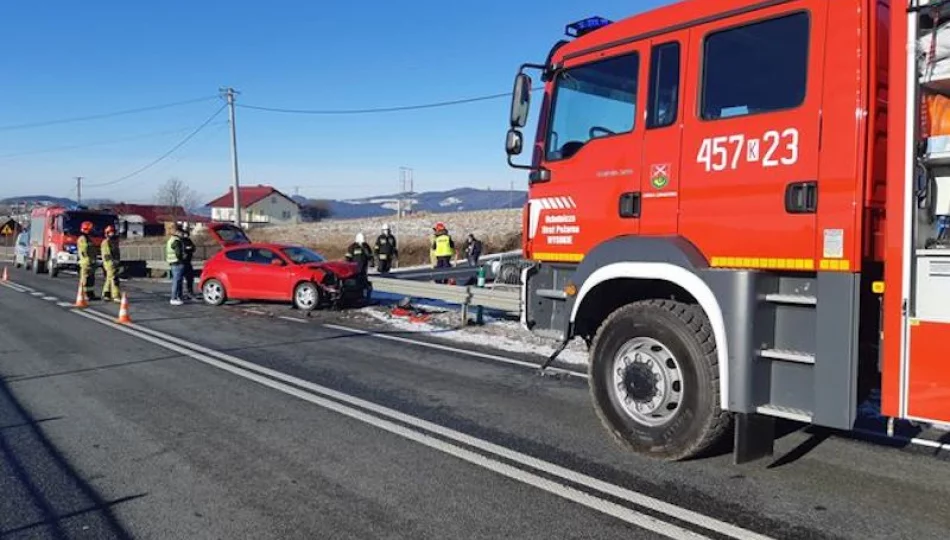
x: 244, y: 270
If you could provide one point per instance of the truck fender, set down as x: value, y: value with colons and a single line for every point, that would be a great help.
x: 685, y: 279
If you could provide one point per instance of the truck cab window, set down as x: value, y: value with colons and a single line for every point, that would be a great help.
x: 590, y: 101
x: 756, y: 68
x: 664, y: 85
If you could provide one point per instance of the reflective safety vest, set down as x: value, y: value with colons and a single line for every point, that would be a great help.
x: 171, y: 250
x: 110, y: 250
x: 87, y: 250
x: 443, y: 246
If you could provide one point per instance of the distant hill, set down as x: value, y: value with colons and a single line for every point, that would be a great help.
x: 455, y: 200
x: 34, y: 199
x: 462, y: 199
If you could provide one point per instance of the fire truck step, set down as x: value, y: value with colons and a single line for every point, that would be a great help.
x: 788, y: 356
x: 797, y: 299
x: 787, y: 413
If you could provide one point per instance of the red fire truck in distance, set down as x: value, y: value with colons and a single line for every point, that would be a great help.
x: 54, y: 231
x: 735, y: 204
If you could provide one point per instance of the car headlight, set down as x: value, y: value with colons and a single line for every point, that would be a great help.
x: 71, y: 248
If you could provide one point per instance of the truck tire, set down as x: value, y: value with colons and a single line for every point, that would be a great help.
x: 35, y: 264
x: 654, y: 380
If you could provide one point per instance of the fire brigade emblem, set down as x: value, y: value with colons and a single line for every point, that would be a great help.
x: 660, y: 176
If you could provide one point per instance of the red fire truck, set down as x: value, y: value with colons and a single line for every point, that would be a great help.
x: 739, y: 206
x: 54, y: 231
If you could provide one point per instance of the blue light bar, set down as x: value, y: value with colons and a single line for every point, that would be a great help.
x: 585, y: 26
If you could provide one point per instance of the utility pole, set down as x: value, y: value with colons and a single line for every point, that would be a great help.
x: 78, y: 189
x: 229, y: 93
x: 405, y: 188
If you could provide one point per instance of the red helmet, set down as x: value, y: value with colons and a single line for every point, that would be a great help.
x: 86, y: 227
x: 110, y: 230
x: 439, y: 226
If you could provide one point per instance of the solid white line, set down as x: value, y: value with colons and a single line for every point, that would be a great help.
x: 628, y: 515
x: 291, y: 319
x: 538, y: 464
x: 13, y: 286
x: 448, y: 348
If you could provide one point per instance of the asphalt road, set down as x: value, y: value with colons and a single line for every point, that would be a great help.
x: 201, y: 422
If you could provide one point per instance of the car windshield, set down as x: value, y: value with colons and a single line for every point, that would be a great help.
x: 72, y: 221
x: 301, y: 255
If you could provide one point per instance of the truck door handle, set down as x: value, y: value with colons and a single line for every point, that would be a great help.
x: 801, y: 197
x: 630, y: 205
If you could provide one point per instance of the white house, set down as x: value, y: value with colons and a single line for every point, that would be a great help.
x: 259, y: 205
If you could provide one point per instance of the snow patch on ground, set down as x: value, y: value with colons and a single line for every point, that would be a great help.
x: 496, y: 333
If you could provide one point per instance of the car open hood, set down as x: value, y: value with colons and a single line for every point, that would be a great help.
x: 228, y: 235
x: 342, y: 269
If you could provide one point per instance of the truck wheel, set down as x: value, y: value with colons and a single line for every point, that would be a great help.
x: 35, y: 263
x: 53, y: 269
x: 654, y: 379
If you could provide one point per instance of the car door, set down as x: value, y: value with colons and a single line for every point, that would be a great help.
x: 268, y: 275
x: 235, y: 273
x: 748, y: 193
x: 592, y: 151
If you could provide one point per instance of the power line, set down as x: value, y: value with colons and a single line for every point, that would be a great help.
x: 382, y: 109
x: 98, y: 143
x: 166, y: 154
x: 106, y: 115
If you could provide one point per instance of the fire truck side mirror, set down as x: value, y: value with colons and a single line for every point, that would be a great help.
x: 514, y: 142
x: 520, y: 101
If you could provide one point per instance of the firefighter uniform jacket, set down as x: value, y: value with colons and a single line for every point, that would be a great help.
x: 361, y: 254
x: 87, y: 250
x: 386, y: 247
x: 110, y: 251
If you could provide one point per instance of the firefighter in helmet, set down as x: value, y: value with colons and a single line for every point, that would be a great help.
x: 360, y: 253
x: 386, y: 251
x: 88, y: 253
x: 110, y: 263
x: 442, y: 248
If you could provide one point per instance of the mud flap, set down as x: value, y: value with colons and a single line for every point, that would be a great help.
x: 754, y: 437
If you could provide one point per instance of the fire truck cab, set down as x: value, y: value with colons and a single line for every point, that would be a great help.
x: 717, y: 189
x: 54, y: 231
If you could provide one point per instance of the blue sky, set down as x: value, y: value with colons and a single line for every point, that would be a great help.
x: 65, y: 59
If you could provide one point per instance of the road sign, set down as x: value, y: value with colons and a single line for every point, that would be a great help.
x: 7, y: 230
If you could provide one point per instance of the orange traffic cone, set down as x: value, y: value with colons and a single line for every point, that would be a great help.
x: 124, y: 311
x: 5, y: 277
x: 81, y: 298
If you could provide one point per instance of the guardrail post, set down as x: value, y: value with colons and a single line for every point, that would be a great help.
x: 479, y: 316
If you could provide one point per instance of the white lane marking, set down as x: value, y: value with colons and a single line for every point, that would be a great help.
x: 13, y: 286
x: 292, y: 319
x: 37, y: 294
x: 448, y: 348
x: 50, y: 298
x: 64, y: 304
x: 256, y: 312
x: 25, y: 288
x: 620, y: 512
x: 512, y: 455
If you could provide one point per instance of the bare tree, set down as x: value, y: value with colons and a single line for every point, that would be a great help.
x: 175, y: 193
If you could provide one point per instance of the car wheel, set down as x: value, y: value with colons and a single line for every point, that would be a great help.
x: 654, y: 379
x: 307, y: 296
x: 213, y: 292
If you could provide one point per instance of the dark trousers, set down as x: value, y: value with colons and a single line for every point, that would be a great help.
x: 188, y: 273
x: 385, y: 264
x: 443, y: 262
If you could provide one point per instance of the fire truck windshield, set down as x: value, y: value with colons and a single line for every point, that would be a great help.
x: 72, y: 221
x: 593, y: 100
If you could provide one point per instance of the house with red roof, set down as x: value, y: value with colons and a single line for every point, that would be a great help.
x: 260, y: 205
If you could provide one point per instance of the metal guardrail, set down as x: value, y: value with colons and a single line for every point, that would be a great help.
x: 507, y: 301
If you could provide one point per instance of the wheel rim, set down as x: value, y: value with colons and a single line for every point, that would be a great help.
x: 648, y: 381
x: 306, y: 296
x: 213, y: 291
